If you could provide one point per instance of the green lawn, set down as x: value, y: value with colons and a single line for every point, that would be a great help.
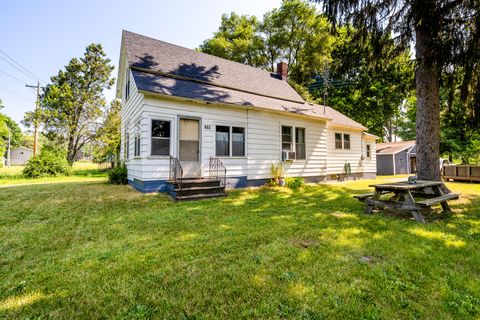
x: 81, y: 170
x: 85, y: 249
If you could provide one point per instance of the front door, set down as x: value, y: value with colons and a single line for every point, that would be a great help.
x: 189, y: 147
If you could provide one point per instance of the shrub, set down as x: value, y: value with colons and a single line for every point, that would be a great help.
x: 49, y: 162
x: 277, y: 175
x: 118, y: 174
x: 294, y: 182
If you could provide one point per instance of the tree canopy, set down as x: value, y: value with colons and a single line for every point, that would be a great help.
x: 369, y: 91
x: 108, y: 135
x: 73, y: 104
x: 294, y: 33
x: 446, y: 36
x: 7, y: 125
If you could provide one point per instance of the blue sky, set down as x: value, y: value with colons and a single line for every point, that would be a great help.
x: 43, y: 36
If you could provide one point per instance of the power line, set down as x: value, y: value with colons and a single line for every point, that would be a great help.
x: 20, y: 67
x: 13, y: 77
x: 15, y: 94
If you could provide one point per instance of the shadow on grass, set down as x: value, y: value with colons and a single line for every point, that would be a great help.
x: 277, y: 253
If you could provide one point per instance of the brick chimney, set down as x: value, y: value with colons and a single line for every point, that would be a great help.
x: 282, y: 70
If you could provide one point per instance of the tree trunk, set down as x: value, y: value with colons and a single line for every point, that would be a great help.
x: 428, y: 108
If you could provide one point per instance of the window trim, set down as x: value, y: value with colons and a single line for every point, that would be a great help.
x: 304, y: 142
x: 127, y: 144
x: 127, y: 85
x: 349, y: 141
x: 294, y: 137
x: 342, y: 135
x: 151, y: 137
x: 292, y: 141
x: 230, y: 142
x: 335, y: 140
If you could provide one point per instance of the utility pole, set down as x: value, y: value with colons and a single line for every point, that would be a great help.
x: 35, y: 118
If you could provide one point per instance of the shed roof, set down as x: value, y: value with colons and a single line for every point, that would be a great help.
x: 394, y: 147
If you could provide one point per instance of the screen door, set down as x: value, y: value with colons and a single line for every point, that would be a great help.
x: 189, y: 147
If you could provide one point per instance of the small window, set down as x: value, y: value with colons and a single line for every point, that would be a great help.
x: 346, y: 141
x: 368, y: 151
x: 127, y: 86
x: 222, y: 141
x: 401, y: 161
x: 238, y: 142
x: 160, y: 138
x: 127, y: 145
x: 287, y: 138
x: 137, y: 145
x: 300, y: 152
x: 338, y: 141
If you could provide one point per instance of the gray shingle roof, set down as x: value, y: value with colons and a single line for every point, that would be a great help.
x: 394, y: 147
x: 158, y: 56
x: 163, y: 68
x: 168, y: 86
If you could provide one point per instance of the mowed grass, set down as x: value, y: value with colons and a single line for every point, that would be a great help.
x: 80, y: 171
x: 89, y: 250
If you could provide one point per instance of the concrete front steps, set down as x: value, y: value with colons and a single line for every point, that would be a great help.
x: 195, y: 189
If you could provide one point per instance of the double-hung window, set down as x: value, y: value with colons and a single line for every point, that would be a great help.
x: 346, y: 141
x: 136, y: 144
x: 300, y: 151
x: 342, y: 141
x: 126, y: 143
x: 229, y: 141
x: 161, y: 134
x: 293, y: 139
x: 338, y: 141
x: 287, y: 138
x: 369, y: 151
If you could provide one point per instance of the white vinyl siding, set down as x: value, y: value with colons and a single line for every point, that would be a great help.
x: 355, y: 156
x: 262, y: 139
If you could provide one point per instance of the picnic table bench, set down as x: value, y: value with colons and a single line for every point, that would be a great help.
x: 416, y: 198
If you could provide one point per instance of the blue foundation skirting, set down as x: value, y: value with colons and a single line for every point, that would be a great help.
x: 149, y: 186
x: 162, y: 185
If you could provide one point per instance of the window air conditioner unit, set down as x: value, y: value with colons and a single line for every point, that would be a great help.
x: 288, y: 155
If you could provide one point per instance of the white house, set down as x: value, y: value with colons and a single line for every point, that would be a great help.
x: 183, y: 108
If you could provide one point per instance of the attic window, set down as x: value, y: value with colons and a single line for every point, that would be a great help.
x: 127, y: 86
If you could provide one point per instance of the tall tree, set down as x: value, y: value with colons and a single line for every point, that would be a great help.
x: 237, y: 39
x: 8, y: 127
x: 294, y: 33
x: 73, y: 104
x: 370, y: 91
x: 108, y: 135
x: 445, y: 33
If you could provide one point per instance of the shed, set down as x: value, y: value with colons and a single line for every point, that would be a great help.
x: 20, y: 156
x: 396, y: 158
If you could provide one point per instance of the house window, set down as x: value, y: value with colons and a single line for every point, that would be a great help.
x: 127, y: 86
x: 368, y: 151
x: 137, y: 145
x: 238, y: 142
x: 222, y: 141
x: 127, y: 145
x: 300, y: 152
x: 338, y: 141
x: 401, y: 161
x: 287, y: 133
x: 160, y: 138
x: 229, y: 147
x: 346, y: 141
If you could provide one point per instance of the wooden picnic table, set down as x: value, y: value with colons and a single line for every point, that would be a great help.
x: 416, y: 198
